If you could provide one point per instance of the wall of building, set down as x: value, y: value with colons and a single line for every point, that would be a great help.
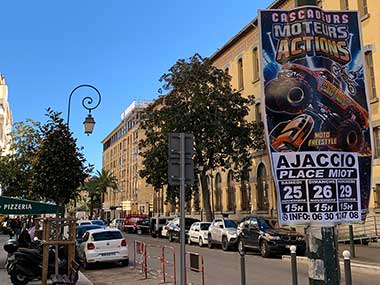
x: 121, y: 157
x: 240, y: 50
x: 5, y: 118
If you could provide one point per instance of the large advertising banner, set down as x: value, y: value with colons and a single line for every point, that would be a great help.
x: 316, y: 114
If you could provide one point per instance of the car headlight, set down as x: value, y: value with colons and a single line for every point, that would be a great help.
x: 270, y: 237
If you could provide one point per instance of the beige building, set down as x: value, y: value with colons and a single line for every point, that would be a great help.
x: 5, y: 118
x: 240, y: 58
x: 121, y: 158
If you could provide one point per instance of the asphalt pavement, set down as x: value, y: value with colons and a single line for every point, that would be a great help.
x: 220, y: 268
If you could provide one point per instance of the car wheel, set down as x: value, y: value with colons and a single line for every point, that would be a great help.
x: 209, y: 242
x: 86, y: 265
x: 139, y: 232
x: 224, y: 243
x: 264, y: 249
x: 288, y: 95
x: 350, y: 137
x: 153, y: 234
x: 171, y: 237
x: 241, y: 247
x: 200, y: 243
x: 125, y: 262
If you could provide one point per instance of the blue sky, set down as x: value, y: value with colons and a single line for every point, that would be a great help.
x: 120, y: 46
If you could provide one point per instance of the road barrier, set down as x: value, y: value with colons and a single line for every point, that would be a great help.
x: 166, y: 262
x: 139, y: 255
x: 145, y: 256
x: 196, y: 265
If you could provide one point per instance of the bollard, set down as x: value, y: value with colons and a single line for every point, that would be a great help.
x: 242, y: 267
x: 347, y: 267
x: 293, y: 257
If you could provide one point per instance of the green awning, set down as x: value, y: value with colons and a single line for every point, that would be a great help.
x: 13, y: 206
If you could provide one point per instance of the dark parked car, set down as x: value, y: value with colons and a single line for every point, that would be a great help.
x: 143, y: 227
x: 175, y: 229
x: 256, y: 233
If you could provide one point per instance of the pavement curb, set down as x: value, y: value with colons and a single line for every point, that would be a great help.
x: 356, y: 266
x: 83, y: 280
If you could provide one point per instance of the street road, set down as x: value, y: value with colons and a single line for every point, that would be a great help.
x: 220, y: 267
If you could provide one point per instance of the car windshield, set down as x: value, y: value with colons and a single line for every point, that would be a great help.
x: 205, y: 226
x: 84, y: 223
x: 98, y: 222
x: 230, y: 224
x: 189, y: 222
x: 106, y: 236
x: 162, y: 221
x: 264, y: 225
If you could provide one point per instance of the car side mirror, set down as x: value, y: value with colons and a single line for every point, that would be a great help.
x: 221, y: 226
x: 197, y: 230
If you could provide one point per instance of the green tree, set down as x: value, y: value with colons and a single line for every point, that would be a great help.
x: 201, y: 101
x: 59, y: 166
x: 94, y: 194
x: 16, y: 168
x: 105, y: 179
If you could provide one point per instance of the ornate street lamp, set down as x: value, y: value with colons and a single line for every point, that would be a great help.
x: 87, y: 101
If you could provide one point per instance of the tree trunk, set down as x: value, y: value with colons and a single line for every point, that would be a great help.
x: 206, y: 197
x: 91, y: 206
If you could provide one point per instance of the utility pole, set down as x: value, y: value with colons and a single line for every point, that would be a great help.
x: 322, y: 242
x: 180, y: 173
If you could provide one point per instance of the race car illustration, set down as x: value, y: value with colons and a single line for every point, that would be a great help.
x: 298, y: 89
x: 290, y: 135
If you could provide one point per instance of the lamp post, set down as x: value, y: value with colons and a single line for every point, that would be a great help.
x: 87, y: 101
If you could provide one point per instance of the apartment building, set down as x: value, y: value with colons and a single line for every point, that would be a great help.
x: 121, y: 158
x: 5, y: 118
x: 239, y: 57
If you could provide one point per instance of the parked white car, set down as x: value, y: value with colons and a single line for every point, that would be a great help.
x: 103, y: 245
x: 198, y: 233
x: 83, y: 222
x: 223, y: 231
x: 165, y: 229
x: 117, y: 223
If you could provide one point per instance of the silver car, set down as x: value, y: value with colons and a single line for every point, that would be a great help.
x: 223, y: 231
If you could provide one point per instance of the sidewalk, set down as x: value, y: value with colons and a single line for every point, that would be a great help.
x: 4, y: 277
x: 367, y: 258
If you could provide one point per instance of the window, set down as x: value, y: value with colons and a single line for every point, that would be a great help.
x: 370, y: 75
x: 319, y: 3
x: 376, y: 138
x: 106, y: 236
x: 377, y: 196
x: 240, y: 74
x: 255, y: 62
x: 258, y: 112
x: 344, y: 4
x: 362, y: 7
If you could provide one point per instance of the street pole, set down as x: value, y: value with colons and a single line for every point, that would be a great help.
x: 182, y: 210
x: 352, y: 242
x: 321, y: 241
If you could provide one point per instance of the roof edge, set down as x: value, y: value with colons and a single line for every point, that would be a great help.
x: 243, y: 32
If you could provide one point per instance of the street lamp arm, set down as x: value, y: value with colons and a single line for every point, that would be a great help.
x: 86, y: 101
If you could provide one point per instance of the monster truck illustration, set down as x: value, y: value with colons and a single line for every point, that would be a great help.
x: 298, y: 89
x: 290, y: 135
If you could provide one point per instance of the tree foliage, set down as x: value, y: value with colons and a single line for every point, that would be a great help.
x: 59, y: 166
x: 201, y: 101
x: 16, y: 167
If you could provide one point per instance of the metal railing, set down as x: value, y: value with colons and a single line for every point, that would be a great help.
x: 369, y: 231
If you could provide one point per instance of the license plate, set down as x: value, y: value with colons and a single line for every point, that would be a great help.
x: 108, y: 254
